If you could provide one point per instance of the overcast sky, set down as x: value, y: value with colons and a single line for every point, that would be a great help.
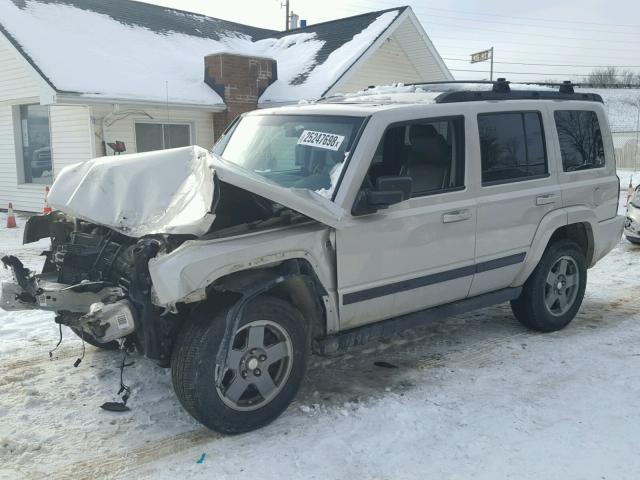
x: 585, y: 33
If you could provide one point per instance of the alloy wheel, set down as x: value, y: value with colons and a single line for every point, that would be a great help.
x: 259, y: 365
x: 561, y: 288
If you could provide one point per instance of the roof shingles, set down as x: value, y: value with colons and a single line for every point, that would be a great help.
x: 123, y: 49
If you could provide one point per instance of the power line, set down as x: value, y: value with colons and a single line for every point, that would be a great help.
x: 530, y: 73
x: 549, y: 64
x: 484, y: 21
x: 533, y: 54
x: 544, y: 35
x: 555, y: 45
x: 392, y: 4
x: 535, y: 18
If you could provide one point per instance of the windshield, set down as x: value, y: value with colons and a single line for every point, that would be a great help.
x: 301, y: 151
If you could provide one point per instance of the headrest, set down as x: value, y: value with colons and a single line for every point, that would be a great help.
x: 422, y: 132
x: 429, y: 145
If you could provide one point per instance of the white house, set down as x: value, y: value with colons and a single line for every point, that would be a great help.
x: 78, y: 75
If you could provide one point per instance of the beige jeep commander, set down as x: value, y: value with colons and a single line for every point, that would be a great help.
x: 316, y: 227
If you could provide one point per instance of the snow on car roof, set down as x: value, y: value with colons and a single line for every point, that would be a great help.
x: 621, y: 104
x: 129, y: 50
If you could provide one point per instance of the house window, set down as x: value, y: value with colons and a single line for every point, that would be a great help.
x: 511, y: 147
x: 580, y: 138
x: 160, y: 136
x: 34, y: 139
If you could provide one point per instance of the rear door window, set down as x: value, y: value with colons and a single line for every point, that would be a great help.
x: 580, y: 139
x: 511, y: 147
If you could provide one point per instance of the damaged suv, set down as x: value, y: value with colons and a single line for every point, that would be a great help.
x: 317, y: 227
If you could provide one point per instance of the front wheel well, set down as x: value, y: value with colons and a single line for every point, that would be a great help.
x: 299, y: 286
x: 580, y: 233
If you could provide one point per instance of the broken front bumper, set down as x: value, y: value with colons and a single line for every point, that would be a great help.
x: 98, y: 309
x: 30, y: 291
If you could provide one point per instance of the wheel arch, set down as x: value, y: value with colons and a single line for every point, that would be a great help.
x: 571, y: 223
x: 293, y: 280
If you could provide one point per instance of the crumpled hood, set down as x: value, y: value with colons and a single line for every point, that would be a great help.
x: 167, y: 191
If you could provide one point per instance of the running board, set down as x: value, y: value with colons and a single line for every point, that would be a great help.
x: 386, y: 328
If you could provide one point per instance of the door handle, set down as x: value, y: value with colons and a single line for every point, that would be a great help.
x: 546, y: 199
x: 456, y: 216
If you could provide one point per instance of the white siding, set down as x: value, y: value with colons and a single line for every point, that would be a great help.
x: 404, y: 57
x: 24, y: 197
x: 121, y: 125
x: 18, y: 85
x: 70, y: 135
x: 16, y: 80
x: 418, y: 53
x: 70, y: 143
x: 388, y: 64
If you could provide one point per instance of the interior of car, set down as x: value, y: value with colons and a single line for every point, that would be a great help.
x: 423, y: 151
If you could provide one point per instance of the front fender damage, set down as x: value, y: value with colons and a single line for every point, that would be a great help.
x: 251, y: 284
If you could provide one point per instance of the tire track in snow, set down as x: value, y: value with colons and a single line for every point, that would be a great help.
x: 114, y: 464
x: 117, y: 466
x: 36, y: 365
x: 464, y: 353
x: 42, y: 358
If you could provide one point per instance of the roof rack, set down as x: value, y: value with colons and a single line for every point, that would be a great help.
x: 502, y: 91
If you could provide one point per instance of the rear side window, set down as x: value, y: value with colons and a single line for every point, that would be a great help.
x: 580, y: 140
x: 511, y: 146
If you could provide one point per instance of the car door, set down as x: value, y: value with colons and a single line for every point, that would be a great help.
x: 420, y: 252
x: 518, y: 187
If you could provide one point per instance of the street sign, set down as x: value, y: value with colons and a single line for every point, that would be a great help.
x: 481, y: 56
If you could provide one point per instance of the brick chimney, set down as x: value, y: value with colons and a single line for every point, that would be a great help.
x: 239, y: 80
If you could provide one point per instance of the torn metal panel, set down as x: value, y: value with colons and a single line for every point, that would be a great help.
x: 198, y: 263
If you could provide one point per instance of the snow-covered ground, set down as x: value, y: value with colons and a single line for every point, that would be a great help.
x: 474, y: 396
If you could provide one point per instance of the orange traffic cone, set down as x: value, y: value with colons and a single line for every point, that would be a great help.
x: 47, y: 209
x: 11, y: 219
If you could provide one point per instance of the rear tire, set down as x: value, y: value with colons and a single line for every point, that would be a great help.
x: 552, y: 295
x: 266, y: 365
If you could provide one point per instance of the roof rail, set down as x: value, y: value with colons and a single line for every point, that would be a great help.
x: 502, y: 91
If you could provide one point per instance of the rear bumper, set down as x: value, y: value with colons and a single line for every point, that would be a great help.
x: 608, y: 235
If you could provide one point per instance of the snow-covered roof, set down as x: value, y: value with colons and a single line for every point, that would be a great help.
x: 129, y: 50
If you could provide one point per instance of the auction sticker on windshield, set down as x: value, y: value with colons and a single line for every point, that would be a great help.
x: 330, y: 141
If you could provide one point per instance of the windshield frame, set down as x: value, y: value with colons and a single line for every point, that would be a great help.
x: 221, y: 144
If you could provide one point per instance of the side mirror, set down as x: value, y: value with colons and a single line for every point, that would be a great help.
x: 388, y: 191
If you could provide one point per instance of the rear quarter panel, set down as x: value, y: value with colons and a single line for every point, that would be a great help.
x: 597, y: 188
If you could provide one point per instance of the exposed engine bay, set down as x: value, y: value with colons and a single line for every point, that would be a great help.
x: 97, y: 281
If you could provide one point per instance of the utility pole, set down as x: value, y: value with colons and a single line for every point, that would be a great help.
x: 286, y: 20
x: 491, y: 73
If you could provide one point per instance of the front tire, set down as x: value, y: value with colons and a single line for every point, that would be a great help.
x: 552, y: 295
x: 266, y: 367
